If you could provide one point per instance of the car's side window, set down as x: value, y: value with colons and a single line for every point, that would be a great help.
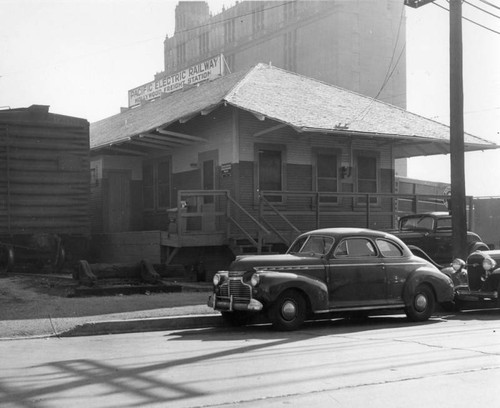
x: 426, y: 223
x: 444, y: 223
x: 355, y: 247
x: 297, y: 245
x: 389, y: 249
x: 317, y: 245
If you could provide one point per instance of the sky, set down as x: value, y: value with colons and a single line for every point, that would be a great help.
x: 82, y: 56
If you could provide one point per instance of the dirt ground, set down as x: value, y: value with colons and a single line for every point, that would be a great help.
x: 32, y: 296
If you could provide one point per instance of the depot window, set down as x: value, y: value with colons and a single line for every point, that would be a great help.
x: 156, y: 190
x: 367, y: 176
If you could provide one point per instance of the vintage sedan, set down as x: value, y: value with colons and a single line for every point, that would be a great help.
x: 476, y: 280
x: 431, y: 232
x: 347, y: 271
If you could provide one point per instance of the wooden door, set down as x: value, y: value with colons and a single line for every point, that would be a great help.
x: 117, y: 211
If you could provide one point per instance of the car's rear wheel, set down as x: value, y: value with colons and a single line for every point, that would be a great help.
x: 422, y: 304
x: 289, y: 311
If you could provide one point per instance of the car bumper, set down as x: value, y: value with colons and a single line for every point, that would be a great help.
x: 471, y: 295
x: 229, y: 304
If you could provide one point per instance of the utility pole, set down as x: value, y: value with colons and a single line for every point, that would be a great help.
x: 458, y: 209
x: 457, y: 151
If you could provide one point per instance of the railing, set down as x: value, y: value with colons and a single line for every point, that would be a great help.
x: 282, y: 215
x: 212, y: 212
x: 368, y: 210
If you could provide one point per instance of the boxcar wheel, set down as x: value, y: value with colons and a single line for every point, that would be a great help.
x: 422, y: 304
x: 289, y: 311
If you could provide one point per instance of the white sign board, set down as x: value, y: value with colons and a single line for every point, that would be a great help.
x: 204, y: 71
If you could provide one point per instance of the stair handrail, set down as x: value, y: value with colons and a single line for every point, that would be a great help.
x: 252, y: 218
x: 264, y: 200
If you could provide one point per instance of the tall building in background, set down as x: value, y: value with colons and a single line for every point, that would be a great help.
x: 354, y: 44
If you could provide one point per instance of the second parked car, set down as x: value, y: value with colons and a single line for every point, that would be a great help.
x: 431, y: 232
x: 477, y: 280
x: 338, y: 270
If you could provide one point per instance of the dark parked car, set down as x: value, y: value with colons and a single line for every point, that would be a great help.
x: 477, y: 280
x: 432, y: 233
x: 336, y: 270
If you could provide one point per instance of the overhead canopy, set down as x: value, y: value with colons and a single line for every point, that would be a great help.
x: 288, y: 99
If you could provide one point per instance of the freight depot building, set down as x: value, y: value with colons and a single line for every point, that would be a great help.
x: 248, y: 159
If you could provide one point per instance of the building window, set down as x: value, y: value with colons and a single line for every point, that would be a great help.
x: 367, y: 176
x: 157, y: 185
x: 270, y: 174
x: 229, y: 31
x: 203, y: 43
x: 327, y: 175
x: 258, y: 19
x: 291, y: 50
x: 181, y: 54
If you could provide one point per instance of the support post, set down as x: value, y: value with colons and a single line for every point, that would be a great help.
x: 458, y: 209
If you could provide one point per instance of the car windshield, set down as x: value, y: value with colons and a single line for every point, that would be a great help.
x: 312, y: 245
x: 417, y: 224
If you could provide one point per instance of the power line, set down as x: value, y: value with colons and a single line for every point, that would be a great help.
x: 389, y: 73
x: 483, y: 10
x: 490, y: 4
x: 469, y: 20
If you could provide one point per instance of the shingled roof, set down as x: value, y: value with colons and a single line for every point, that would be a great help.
x: 305, y: 104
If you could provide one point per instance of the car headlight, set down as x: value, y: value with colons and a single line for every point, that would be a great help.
x: 255, y: 279
x: 488, y: 264
x: 216, y: 279
x: 457, y: 264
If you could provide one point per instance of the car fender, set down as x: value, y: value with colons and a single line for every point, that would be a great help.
x: 272, y: 284
x: 478, y: 246
x: 441, y: 284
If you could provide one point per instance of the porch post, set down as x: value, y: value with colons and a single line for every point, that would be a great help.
x: 368, y: 211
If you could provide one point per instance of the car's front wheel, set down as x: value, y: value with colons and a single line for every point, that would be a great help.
x: 289, y: 311
x: 422, y: 304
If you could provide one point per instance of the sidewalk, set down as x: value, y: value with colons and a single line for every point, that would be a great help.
x: 39, y: 306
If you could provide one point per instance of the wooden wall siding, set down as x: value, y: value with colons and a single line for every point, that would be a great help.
x: 299, y: 176
x: 187, y: 180
x: 44, y: 178
x: 216, y: 128
x: 300, y: 146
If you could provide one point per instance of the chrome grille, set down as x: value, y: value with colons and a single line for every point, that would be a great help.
x: 235, y: 287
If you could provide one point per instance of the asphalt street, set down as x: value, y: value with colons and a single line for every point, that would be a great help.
x: 449, y: 361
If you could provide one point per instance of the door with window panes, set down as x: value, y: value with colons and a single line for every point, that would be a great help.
x: 367, y: 176
x: 270, y: 172
x: 327, y: 176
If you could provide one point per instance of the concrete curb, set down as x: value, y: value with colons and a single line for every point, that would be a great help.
x: 144, y: 325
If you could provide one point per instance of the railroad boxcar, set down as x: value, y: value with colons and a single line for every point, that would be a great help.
x: 44, y: 188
